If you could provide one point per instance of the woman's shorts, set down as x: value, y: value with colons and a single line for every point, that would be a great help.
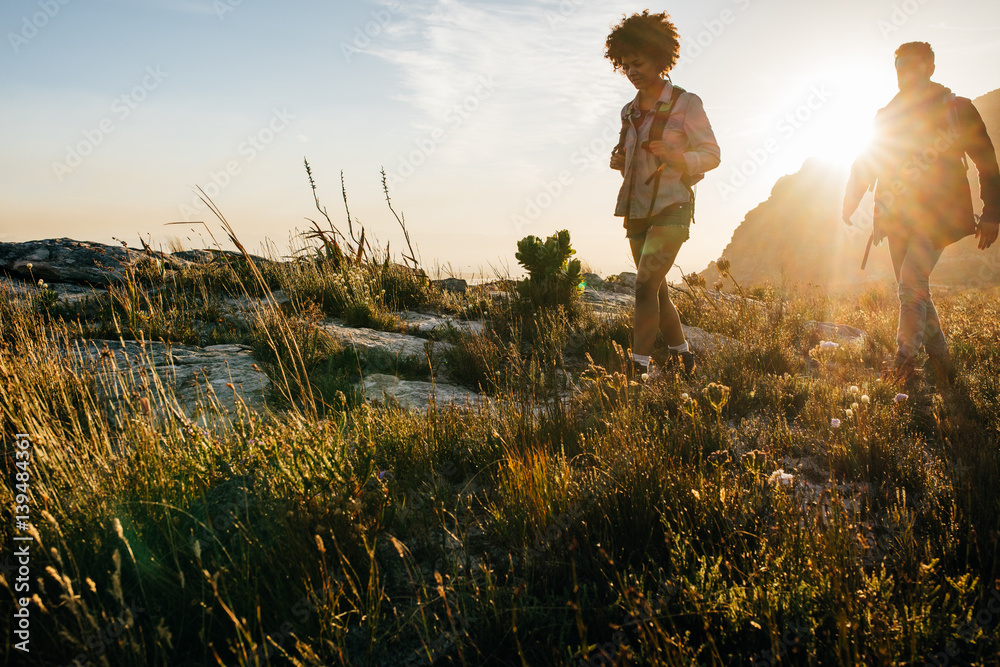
x: 677, y: 217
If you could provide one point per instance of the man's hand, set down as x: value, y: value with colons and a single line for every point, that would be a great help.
x: 847, y: 219
x: 987, y: 231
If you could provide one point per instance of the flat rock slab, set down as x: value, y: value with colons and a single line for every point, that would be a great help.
x: 427, y: 324
x: 831, y: 331
x: 370, y: 340
x: 605, y: 302
x: 609, y: 304
x: 703, y: 342
x: 189, y: 371
x: 415, y: 394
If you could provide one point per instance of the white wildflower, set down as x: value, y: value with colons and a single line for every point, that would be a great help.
x: 835, y: 423
x: 779, y: 476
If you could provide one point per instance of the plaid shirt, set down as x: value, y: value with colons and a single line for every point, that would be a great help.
x: 687, y: 130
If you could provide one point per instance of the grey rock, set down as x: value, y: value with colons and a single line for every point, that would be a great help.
x: 195, y: 375
x: 246, y: 304
x: 607, y: 302
x: 370, y: 340
x: 68, y: 261
x: 415, y: 394
x: 456, y: 285
x: 593, y: 280
x: 831, y: 331
x: 69, y: 293
x: 207, y: 255
x: 703, y: 342
x: 426, y: 324
x: 627, y: 279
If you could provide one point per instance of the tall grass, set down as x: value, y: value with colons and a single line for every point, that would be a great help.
x: 576, y: 517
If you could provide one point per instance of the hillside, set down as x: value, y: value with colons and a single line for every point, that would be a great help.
x: 796, y: 235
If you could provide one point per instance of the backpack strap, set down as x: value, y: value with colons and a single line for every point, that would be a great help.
x: 626, y: 114
x: 660, y: 118
x: 663, y: 111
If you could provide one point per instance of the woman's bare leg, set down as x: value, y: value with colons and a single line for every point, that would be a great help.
x: 654, y: 256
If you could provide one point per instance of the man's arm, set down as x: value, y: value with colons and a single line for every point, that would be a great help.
x: 862, y: 179
x: 980, y: 148
x: 857, y: 185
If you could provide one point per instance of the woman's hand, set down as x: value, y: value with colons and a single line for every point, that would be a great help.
x: 617, y: 160
x: 667, y: 155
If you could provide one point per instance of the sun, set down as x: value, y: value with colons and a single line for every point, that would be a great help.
x: 841, y: 129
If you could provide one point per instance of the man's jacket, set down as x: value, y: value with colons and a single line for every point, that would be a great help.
x: 916, y: 165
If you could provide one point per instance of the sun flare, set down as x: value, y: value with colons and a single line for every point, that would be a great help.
x: 844, y: 123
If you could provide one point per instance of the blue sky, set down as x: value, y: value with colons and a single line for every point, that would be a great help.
x: 494, y: 120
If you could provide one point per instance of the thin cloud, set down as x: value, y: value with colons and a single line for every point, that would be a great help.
x: 545, y: 59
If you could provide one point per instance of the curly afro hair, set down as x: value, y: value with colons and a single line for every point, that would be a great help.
x: 652, y: 35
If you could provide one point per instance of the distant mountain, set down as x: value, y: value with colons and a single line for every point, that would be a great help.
x: 797, y: 236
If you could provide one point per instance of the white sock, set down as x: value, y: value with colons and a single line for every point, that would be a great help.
x: 641, y: 358
x: 679, y: 349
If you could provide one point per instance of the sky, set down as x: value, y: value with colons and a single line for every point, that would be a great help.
x: 492, y: 120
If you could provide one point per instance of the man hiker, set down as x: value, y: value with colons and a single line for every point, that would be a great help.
x: 923, y: 203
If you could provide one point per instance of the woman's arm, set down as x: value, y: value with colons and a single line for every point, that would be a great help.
x: 703, y: 153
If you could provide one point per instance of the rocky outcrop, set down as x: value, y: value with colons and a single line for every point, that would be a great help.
x: 67, y: 293
x: 67, y: 261
x: 206, y: 255
x: 456, y: 285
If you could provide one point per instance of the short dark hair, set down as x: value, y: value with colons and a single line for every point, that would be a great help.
x: 651, y: 35
x: 921, y: 50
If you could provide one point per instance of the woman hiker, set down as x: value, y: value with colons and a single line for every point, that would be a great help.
x: 667, y: 144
